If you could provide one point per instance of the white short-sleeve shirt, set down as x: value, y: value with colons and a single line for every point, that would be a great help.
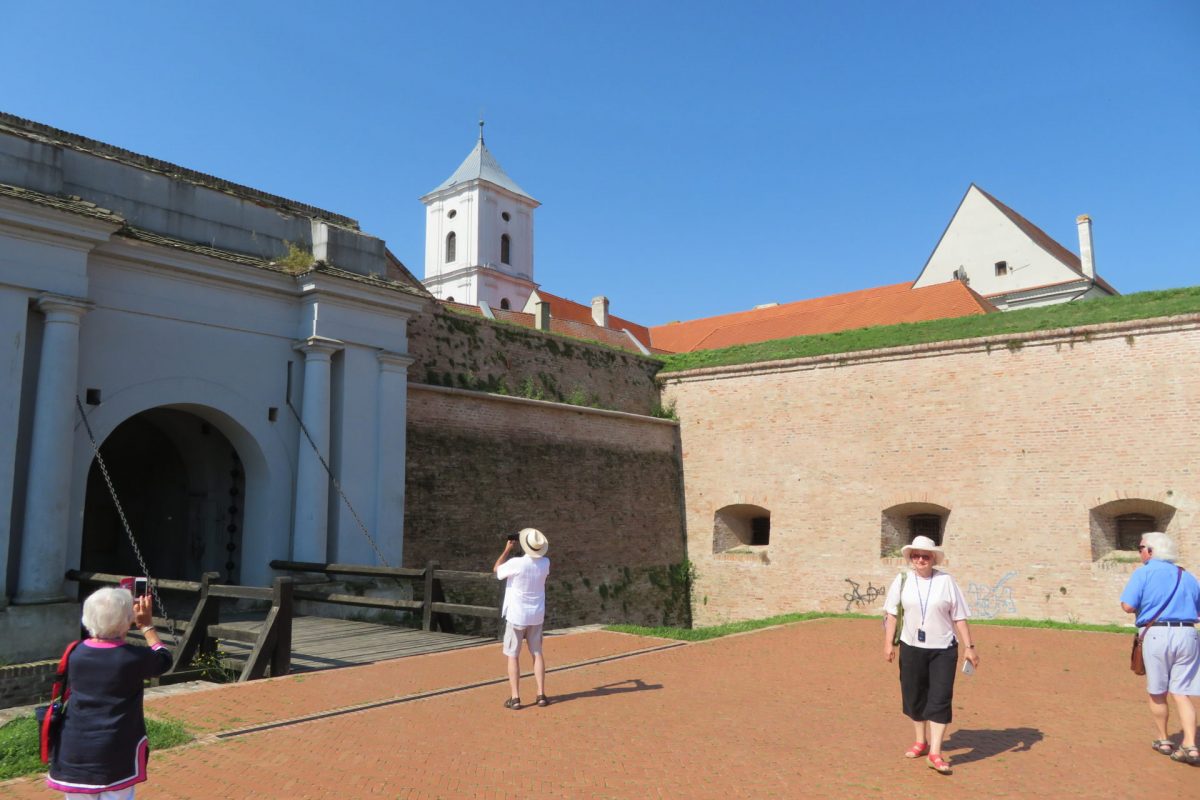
x: 943, y: 602
x: 525, y: 590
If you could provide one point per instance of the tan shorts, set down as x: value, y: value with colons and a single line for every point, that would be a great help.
x: 515, y: 634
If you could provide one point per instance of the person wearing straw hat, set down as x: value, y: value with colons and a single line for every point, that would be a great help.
x: 935, y: 621
x: 524, y: 609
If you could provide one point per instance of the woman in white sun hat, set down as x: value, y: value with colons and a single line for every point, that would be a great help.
x: 935, y: 622
x: 524, y: 609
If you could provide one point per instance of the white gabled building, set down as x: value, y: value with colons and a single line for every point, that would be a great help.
x: 1009, y: 260
x: 479, y: 235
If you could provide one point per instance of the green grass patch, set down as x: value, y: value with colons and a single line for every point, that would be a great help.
x: 1143, y: 305
x: 19, y: 747
x: 717, y: 631
x: 1018, y: 622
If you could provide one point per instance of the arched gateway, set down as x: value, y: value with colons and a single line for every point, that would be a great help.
x: 181, y: 485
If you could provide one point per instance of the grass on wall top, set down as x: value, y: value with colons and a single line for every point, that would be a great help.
x: 1143, y: 305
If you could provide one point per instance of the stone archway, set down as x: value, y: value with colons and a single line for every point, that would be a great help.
x: 181, y: 484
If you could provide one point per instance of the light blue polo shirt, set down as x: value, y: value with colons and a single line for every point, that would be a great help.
x: 1149, y: 587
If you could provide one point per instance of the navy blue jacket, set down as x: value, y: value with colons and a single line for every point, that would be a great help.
x: 103, y: 745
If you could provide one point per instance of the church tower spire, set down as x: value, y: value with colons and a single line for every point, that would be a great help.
x: 479, y: 234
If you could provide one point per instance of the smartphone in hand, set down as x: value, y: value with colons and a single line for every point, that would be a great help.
x: 140, y: 587
x: 968, y: 668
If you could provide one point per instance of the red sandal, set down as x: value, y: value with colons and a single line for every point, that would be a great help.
x: 935, y: 761
x: 917, y: 750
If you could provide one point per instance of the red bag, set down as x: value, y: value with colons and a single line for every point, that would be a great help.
x: 50, y: 717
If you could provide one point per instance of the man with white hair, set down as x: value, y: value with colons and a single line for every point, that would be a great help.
x: 524, y: 608
x: 1166, y: 601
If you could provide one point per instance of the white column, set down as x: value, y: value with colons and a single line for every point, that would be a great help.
x: 310, y: 534
x: 393, y: 437
x: 48, y: 493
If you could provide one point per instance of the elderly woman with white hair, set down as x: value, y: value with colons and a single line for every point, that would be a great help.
x: 102, y: 751
x: 935, y: 622
x: 1166, y: 601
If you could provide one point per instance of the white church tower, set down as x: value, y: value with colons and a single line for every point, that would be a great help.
x: 479, y: 235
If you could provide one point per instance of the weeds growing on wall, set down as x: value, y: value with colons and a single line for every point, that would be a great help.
x: 664, y: 411
x: 20, y: 747
x: 296, y: 259
x: 675, y: 582
x: 1143, y: 305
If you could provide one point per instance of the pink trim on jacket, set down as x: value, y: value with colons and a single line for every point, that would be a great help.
x: 141, y: 759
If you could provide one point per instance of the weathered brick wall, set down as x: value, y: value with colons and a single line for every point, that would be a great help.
x: 463, y: 352
x: 604, y: 486
x: 23, y: 684
x: 1020, y: 437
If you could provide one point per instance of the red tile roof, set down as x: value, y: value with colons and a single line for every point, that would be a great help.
x: 565, y: 327
x: 882, y: 305
x: 564, y: 309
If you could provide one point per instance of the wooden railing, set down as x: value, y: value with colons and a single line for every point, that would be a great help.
x: 271, y: 645
x: 435, y: 611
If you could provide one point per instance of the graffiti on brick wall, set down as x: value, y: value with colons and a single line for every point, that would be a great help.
x: 858, y: 596
x: 988, y: 602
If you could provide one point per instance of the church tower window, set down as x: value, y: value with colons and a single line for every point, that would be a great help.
x: 451, y: 247
x: 505, y: 247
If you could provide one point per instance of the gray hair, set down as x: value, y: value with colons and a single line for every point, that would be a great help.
x: 1161, y: 546
x: 107, y: 613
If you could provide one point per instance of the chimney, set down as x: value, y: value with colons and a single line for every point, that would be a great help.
x: 1086, y: 259
x: 600, y: 311
x: 541, y: 315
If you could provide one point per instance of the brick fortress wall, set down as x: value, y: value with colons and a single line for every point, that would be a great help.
x: 464, y: 352
x: 604, y: 484
x: 1032, y: 442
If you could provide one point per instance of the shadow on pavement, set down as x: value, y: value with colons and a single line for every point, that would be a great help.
x: 620, y: 687
x: 986, y: 743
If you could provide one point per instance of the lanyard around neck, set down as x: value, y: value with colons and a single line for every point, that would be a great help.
x: 924, y: 602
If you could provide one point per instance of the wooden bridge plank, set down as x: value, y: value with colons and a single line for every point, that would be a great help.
x: 324, y: 643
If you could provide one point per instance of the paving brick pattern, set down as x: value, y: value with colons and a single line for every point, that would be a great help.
x: 808, y: 710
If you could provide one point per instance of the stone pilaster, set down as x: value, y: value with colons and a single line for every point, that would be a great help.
x: 48, y: 492
x: 310, y: 532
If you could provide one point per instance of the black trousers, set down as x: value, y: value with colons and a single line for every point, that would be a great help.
x: 927, y: 682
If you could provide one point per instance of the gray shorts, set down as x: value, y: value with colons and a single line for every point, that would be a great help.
x: 515, y: 634
x: 1172, y: 658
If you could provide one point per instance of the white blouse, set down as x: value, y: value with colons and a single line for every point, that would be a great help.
x: 524, y: 590
x: 943, y: 602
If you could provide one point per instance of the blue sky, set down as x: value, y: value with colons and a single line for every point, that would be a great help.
x: 692, y: 158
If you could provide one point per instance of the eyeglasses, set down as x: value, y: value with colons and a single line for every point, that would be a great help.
x: 922, y: 556
x: 1143, y: 547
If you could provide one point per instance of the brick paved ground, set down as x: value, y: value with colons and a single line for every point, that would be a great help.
x: 806, y: 710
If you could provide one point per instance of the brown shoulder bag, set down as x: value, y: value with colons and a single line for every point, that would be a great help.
x: 1136, y: 662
